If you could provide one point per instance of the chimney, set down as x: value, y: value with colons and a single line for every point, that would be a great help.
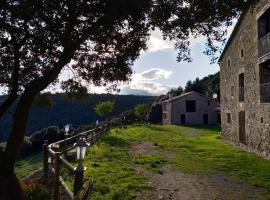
x: 170, y: 95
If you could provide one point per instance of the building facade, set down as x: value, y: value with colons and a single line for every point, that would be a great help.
x: 190, y: 108
x: 245, y: 80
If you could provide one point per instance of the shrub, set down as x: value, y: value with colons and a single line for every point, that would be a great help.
x: 26, y: 147
x: 37, y: 140
x: 104, y: 108
x: 34, y: 190
x: 2, y: 147
x: 140, y: 111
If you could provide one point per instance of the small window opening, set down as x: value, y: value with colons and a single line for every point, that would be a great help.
x: 228, y: 118
x: 229, y: 62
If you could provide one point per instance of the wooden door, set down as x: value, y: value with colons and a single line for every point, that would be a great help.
x: 183, y: 119
x: 205, y: 118
x: 242, y: 127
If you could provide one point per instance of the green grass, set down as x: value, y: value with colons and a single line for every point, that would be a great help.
x: 25, y: 166
x: 112, y: 167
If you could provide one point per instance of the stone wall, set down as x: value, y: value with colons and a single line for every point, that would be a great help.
x: 166, y: 109
x: 257, y: 114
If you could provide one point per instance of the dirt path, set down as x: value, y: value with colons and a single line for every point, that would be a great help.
x: 175, y: 185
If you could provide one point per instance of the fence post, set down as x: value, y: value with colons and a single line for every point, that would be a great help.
x: 78, y: 182
x: 56, y: 174
x: 45, y: 160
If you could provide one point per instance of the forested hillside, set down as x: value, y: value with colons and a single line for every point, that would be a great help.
x: 66, y: 110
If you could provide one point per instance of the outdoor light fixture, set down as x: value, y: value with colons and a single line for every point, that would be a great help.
x: 215, y: 96
x: 66, y: 129
x: 66, y: 135
x: 81, y: 146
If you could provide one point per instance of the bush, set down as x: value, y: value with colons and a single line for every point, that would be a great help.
x: 140, y: 111
x: 37, y: 140
x: 2, y: 147
x: 26, y: 147
x: 155, y: 113
x: 34, y: 190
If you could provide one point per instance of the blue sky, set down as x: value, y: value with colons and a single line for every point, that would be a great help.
x: 162, y: 70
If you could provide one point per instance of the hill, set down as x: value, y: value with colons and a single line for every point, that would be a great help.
x: 68, y: 111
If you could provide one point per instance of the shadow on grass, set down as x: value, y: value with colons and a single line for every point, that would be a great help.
x: 155, y: 127
x: 115, y: 141
x: 204, y: 127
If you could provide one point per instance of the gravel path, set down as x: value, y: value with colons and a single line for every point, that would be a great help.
x: 175, y: 185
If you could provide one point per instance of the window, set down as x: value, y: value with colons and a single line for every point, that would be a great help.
x: 164, y: 107
x: 190, y: 106
x: 164, y: 115
x: 265, y: 82
x: 264, y: 33
x: 232, y: 91
x: 264, y: 24
x: 242, y: 53
x: 228, y: 118
x: 229, y: 62
x: 241, y: 87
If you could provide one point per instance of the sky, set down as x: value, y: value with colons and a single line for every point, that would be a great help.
x: 157, y: 71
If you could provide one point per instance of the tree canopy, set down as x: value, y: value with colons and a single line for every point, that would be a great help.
x: 104, y: 108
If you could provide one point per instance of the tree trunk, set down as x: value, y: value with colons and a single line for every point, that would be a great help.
x: 7, y: 104
x: 9, y: 185
x: 10, y: 188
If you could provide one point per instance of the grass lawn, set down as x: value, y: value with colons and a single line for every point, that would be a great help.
x: 27, y: 165
x: 111, y: 165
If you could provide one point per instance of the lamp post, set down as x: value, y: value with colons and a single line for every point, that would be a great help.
x: 81, y: 147
x: 66, y: 136
x: 215, y: 96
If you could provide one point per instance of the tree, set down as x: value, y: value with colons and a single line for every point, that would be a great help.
x: 141, y: 110
x: 104, y: 108
x: 177, y: 91
x: 98, y: 40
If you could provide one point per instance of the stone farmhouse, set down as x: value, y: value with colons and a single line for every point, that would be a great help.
x: 245, y: 80
x: 190, y: 108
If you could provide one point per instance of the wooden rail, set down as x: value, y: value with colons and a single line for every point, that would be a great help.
x: 55, y: 157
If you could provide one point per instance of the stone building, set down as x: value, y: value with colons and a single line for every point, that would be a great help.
x: 190, y: 108
x: 245, y: 80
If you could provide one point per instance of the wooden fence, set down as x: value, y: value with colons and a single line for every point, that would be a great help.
x: 57, y: 155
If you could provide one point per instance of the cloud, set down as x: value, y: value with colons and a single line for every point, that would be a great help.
x: 149, y: 89
x: 154, y: 74
x: 156, y: 42
x: 146, y: 83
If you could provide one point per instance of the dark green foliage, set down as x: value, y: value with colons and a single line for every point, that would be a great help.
x: 176, y: 92
x: 26, y: 148
x: 207, y: 86
x: 141, y: 111
x: 44, y: 100
x: 66, y: 110
x: 154, y: 115
x: 103, y: 108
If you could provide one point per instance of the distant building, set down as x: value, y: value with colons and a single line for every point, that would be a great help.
x: 245, y: 80
x: 190, y: 108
